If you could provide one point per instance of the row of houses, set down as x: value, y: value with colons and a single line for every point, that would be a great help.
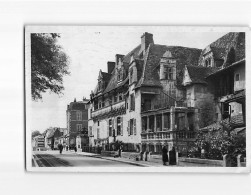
x: 160, y: 95
x: 76, y: 133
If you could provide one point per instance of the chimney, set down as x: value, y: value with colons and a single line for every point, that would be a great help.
x: 110, y: 67
x: 146, y: 39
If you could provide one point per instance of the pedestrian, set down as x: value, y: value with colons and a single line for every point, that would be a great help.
x: 120, y: 151
x: 60, y: 147
x: 172, y: 155
x: 75, y: 149
x: 164, y: 155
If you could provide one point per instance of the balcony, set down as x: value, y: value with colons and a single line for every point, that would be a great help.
x: 183, y: 135
x: 162, y: 104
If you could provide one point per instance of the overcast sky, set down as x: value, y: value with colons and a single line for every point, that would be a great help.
x: 89, y: 49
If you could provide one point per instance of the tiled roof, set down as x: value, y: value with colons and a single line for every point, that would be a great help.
x: 236, y: 121
x: 77, y: 106
x: 183, y: 55
x: 112, y: 81
x: 51, y: 132
x: 222, y: 46
x: 199, y: 73
x: 106, y: 76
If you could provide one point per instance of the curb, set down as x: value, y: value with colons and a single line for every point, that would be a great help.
x: 35, y: 161
x: 116, y: 160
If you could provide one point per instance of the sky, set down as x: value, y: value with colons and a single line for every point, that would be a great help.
x: 89, y: 48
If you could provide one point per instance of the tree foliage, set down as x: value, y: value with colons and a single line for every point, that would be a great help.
x: 48, y: 64
x: 35, y: 133
x: 219, y: 142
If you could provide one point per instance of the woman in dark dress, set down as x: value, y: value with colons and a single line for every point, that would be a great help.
x: 172, y: 155
x: 164, y: 155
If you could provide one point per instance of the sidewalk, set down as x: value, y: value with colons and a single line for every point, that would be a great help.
x: 154, y: 162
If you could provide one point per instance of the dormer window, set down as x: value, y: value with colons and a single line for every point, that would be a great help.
x: 168, y: 73
x: 208, y: 62
x: 120, y: 75
x: 99, y: 85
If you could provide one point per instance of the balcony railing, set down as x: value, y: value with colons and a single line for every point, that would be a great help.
x: 163, y: 104
x: 166, y: 135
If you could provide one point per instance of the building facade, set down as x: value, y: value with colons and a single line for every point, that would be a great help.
x: 77, y: 123
x: 140, y: 100
x: 160, y: 95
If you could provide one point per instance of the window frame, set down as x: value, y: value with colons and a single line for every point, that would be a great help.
x: 79, y: 115
x: 118, y: 125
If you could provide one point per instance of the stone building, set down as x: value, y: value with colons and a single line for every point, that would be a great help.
x: 77, y: 123
x: 217, y: 86
x: 140, y: 99
x: 161, y: 95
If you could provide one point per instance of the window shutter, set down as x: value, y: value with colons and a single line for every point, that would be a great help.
x: 134, y: 126
x: 121, y: 125
x: 115, y: 125
x: 107, y: 121
x: 128, y: 127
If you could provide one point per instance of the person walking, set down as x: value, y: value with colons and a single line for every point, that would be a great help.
x: 60, y: 147
x: 172, y: 155
x: 120, y: 151
x: 164, y: 155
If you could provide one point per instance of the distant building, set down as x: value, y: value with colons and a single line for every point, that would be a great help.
x: 77, y: 123
x: 38, y: 143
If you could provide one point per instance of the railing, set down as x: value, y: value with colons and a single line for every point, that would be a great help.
x: 180, y: 104
x: 164, y: 135
x: 156, y: 135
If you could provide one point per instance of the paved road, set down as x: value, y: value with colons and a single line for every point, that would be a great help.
x: 54, y: 159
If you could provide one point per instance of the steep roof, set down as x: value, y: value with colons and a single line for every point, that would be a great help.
x: 106, y: 76
x: 112, y: 79
x: 51, y: 132
x: 199, y: 73
x: 222, y: 46
x: 183, y: 55
x: 77, y: 106
x: 236, y: 121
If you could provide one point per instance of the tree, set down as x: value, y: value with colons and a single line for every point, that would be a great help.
x: 48, y: 64
x: 35, y: 133
x: 221, y: 141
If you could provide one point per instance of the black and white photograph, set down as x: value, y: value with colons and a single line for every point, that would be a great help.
x: 135, y: 98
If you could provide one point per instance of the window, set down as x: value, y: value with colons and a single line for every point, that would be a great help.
x: 79, y: 127
x: 237, y: 77
x: 98, y: 133
x: 79, y: 116
x: 131, y: 76
x: 120, y: 96
x: 208, y: 62
x: 110, y: 128
x: 132, y: 127
x: 99, y: 85
x: 118, y: 125
x: 115, y: 98
x: 120, y: 75
x: 132, y: 102
x: 90, y: 130
x: 168, y: 71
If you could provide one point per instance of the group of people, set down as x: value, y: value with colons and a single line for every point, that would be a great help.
x: 61, y: 147
x: 168, y: 156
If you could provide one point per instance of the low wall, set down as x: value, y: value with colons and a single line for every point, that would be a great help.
x: 206, y: 162
x: 109, y: 153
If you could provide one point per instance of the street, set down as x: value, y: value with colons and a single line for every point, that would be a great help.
x: 71, y: 159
